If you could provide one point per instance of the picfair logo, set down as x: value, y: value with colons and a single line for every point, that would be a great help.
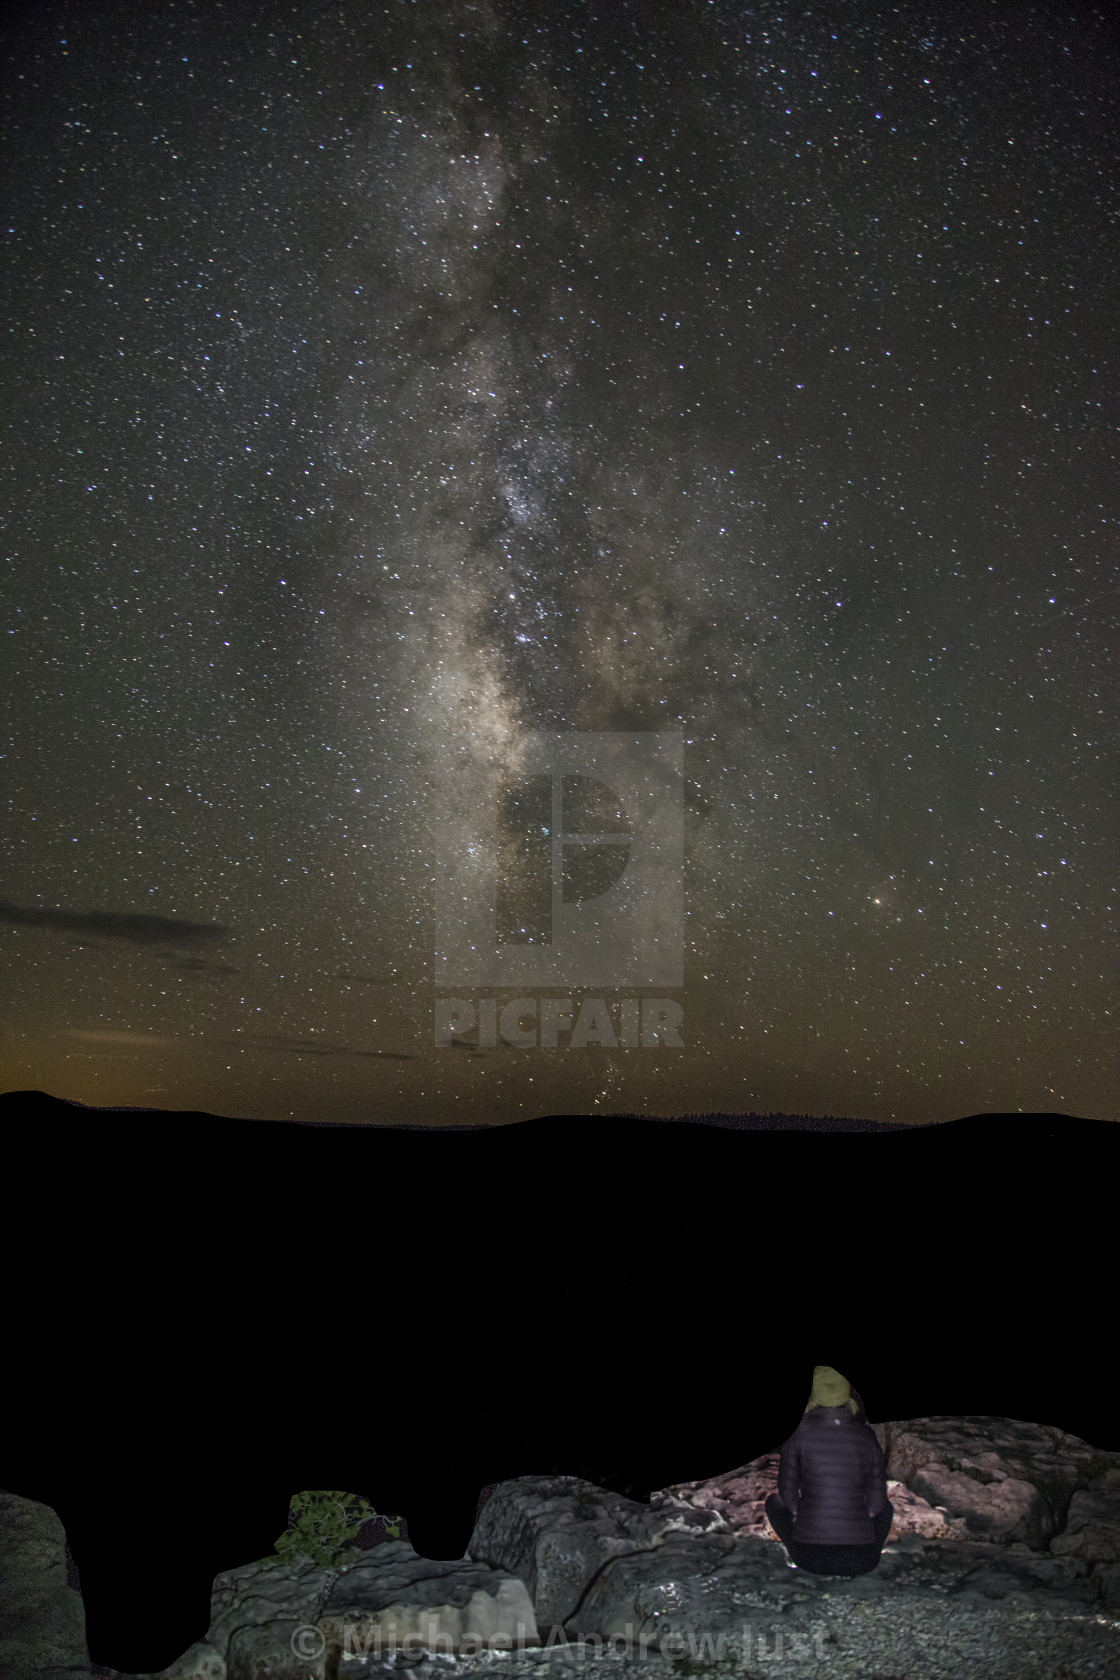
x: 565, y: 869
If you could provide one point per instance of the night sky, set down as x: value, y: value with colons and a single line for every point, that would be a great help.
x: 383, y: 381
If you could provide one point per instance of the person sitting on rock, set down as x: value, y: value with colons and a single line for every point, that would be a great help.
x: 831, y: 1510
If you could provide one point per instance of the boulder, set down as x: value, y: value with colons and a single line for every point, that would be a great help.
x: 395, y: 1600
x: 42, y: 1618
x: 1003, y: 1479
x: 556, y: 1533
x: 1092, y: 1534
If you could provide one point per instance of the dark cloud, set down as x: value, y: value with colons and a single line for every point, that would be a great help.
x: 202, y: 965
x: 314, y: 1047
x: 132, y: 926
x: 133, y: 1040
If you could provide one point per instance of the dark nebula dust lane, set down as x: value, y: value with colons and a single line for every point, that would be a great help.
x: 388, y: 385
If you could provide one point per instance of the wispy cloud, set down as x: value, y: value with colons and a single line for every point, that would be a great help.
x: 134, y: 1040
x: 203, y: 965
x: 134, y: 927
x: 316, y: 1047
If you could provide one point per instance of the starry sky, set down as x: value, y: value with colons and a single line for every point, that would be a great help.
x: 385, y: 381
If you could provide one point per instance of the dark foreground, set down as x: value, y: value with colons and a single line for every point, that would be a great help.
x: 207, y: 1315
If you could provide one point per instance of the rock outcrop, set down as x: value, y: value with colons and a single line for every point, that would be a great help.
x: 980, y: 1478
x: 1002, y: 1479
x: 298, y: 1622
x: 42, y: 1620
x: 988, y: 1511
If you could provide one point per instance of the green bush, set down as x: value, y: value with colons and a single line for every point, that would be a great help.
x: 326, y: 1529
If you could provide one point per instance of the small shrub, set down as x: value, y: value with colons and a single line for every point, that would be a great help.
x: 326, y: 1527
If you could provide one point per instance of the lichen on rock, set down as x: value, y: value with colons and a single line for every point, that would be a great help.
x: 324, y: 1527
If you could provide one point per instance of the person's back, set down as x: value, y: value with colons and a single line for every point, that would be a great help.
x: 833, y: 1477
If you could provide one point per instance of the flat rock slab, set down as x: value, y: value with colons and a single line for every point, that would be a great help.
x: 711, y: 1586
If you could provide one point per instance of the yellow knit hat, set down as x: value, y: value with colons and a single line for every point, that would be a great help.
x: 830, y: 1389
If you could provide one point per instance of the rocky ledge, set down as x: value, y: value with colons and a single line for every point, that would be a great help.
x: 991, y: 1515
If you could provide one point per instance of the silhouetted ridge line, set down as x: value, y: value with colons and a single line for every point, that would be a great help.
x: 784, y: 1122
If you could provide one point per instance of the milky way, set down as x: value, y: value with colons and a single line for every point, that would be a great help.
x: 392, y: 384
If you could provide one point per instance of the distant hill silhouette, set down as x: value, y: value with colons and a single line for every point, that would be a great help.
x: 784, y: 1122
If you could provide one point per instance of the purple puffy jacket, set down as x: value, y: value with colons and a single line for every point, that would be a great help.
x: 832, y: 1475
